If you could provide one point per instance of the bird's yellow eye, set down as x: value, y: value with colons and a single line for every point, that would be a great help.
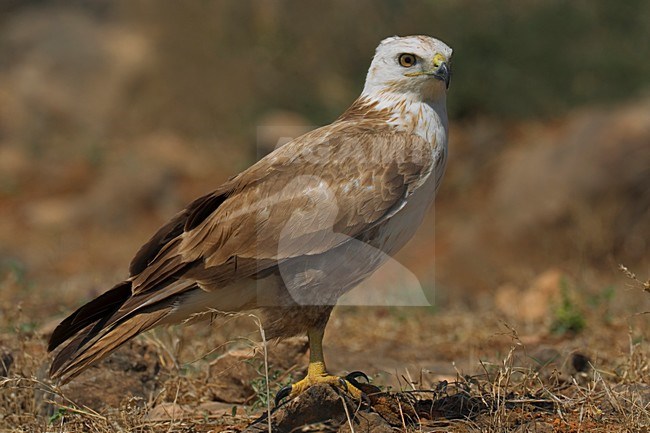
x: 407, y: 60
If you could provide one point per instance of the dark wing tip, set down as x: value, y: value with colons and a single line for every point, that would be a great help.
x: 186, y: 220
x: 89, y: 313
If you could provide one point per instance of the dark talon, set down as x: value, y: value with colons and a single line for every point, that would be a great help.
x: 344, y: 384
x: 353, y: 376
x: 284, y: 392
x: 365, y: 399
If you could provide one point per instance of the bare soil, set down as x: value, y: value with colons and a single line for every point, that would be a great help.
x: 457, y: 370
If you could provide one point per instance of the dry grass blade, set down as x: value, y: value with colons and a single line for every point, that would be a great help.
x: 264, y: 345
x: 347, y: 414
x: 644, y: 285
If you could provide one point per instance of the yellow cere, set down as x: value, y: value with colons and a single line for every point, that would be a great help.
x: 438, y: 59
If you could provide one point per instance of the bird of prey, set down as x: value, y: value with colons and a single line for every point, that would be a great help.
x: 291, y: 234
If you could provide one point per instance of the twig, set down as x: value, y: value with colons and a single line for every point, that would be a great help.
x: 347, y: 414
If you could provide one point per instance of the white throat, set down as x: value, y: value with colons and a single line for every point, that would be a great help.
x: 427, y: 119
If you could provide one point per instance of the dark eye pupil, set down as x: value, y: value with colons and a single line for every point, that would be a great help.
x: 407, y: 60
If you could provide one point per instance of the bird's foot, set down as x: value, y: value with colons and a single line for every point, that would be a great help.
x: 318, y: 376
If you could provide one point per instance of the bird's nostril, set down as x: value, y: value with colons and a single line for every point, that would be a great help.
x: 438, y: 60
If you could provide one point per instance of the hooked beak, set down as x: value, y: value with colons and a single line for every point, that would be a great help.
x: 443, y: 73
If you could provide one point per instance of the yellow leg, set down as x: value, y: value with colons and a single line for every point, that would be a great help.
x: 317, y: 372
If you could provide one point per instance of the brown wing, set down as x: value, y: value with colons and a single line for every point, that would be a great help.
x: 305, y: 198
x: 185, y: 220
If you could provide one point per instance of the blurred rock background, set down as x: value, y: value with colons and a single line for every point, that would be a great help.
x: 115, y: 114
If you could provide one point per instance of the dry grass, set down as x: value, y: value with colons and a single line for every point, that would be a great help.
x: 593, y: 385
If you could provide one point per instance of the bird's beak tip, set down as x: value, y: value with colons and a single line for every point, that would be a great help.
x: 443, y: 73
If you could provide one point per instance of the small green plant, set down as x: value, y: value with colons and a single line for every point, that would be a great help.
x: 259, y: 384
x: 58, y: 414
x: 603, y: 301
x: 568, y: 318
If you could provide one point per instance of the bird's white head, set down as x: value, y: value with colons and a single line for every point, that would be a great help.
x: 415, y: 66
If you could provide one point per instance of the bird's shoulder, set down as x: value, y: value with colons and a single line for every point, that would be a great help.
x: 343, y: 147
